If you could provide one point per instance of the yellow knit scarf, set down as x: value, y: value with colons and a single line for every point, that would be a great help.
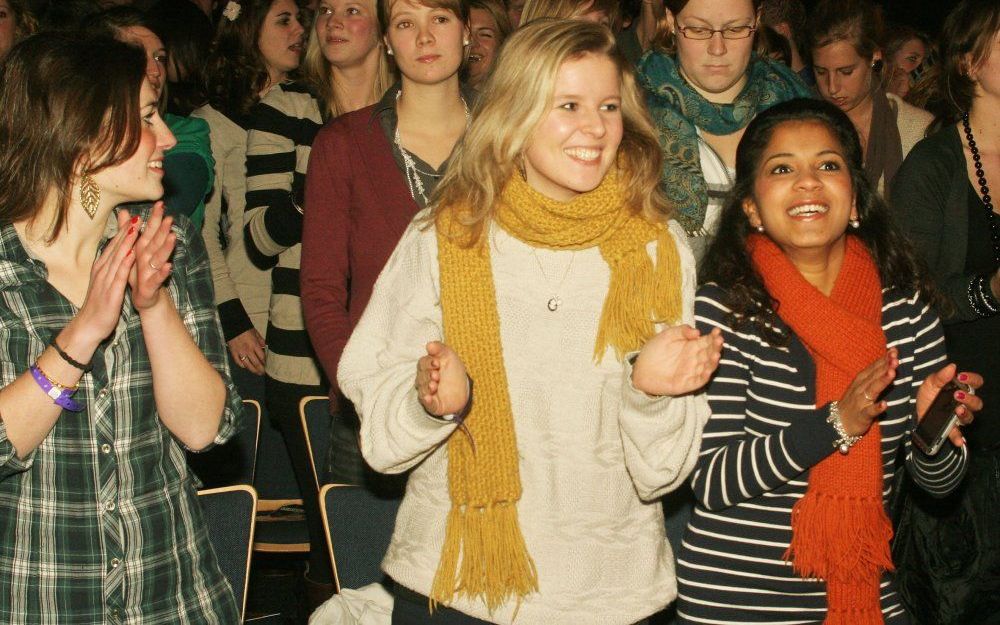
x: 483, y: 480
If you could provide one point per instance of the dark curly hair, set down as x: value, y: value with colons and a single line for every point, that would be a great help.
x: 727, y: 261
x: 235, y: 72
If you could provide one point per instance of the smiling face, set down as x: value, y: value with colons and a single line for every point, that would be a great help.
x: 715, y: 67
x: 347, y: 31
x: 485, y: 38
x: 140, y: 177
x: 843, y: 77
x: 156, y: 53
x: 802, y: 193
x: 280, y: 40
x: 576, y: 143
x: 427, y: 42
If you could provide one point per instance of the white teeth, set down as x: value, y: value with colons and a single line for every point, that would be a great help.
x: 583, y: 154
x: 475, y: 58
x: 156, y: 164
x: 808, y: 209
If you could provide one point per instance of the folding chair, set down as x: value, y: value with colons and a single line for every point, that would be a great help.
x: 230, y: 513
x: 359, y: 526
x: 314, y: 410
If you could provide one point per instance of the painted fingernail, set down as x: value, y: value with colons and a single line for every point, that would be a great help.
x: 131, y: 230
x: 960, y: 395
x: 962, y: 377
x: 135, y: 219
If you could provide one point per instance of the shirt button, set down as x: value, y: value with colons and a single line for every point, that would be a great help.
x: 110, y: 506
x: 103, y: 393
x: 115, y: 563
x: 105, y: 448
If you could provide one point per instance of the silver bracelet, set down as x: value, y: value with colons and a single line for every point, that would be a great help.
x: 844, y: 441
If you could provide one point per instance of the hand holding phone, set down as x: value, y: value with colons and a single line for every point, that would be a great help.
x: 940, y: 418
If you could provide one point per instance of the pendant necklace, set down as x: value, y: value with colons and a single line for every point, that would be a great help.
x: 555, y: 301
x: 410, y: 170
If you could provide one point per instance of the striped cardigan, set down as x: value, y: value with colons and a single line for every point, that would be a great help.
x: 764, y: 435
x: 283, y: 126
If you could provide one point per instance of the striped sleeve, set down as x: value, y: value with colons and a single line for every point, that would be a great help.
x: 738, y: 463
x: 283, y: 125
x: 940, y: 474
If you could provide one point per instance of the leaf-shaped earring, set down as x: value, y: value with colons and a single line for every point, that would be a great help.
x: 90, y: 195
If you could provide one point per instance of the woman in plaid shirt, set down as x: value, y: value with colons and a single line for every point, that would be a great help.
x: 111, y: 357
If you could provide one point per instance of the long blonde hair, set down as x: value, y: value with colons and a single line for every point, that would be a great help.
x: 513, y: 103
x: 317, y: 72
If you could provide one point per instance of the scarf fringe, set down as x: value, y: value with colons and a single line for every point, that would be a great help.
x: 640, y: 296
x: 495, y: 563
x: 825, y: 543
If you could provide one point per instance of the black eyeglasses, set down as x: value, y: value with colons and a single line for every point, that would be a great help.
x: 702, y: 33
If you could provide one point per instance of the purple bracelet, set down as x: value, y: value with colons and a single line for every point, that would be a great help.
x: 63, y: 398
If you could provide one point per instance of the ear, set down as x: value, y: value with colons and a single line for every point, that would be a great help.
x: 750, y: 210
x: 669, y: 20
x: 877, y: 56
x: 854, y: 210
x: 784, y: 30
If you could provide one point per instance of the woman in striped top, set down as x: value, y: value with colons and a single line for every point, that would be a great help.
x: 832, y: 355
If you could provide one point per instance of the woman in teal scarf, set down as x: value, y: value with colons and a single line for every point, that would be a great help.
x: 704, y: 85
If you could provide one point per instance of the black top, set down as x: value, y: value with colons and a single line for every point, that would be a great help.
x: 975, y: 345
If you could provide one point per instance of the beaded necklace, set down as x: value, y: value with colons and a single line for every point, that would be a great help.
x: 977, y: 163
x: 410, y: 170
x: 980, y: 297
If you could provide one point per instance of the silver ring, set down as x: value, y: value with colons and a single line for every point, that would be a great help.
x: 870, y: 399
x: 153, y: 267
x: 243, y: 357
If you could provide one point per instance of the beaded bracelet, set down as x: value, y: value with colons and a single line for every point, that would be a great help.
x: 981, y: 297
x: 61, y: 395
x: 844, y: 441
x: 69, y: 359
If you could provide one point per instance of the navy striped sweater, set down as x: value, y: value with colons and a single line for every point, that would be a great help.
x: 764, y: 435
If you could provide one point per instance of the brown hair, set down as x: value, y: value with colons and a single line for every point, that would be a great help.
x: 572, y: 9
x: 966, y: 40
x: 24, y: 21
x: 853, y: 21
x: 47, y: 82
x: 459, y: 7
x: 665, y: 36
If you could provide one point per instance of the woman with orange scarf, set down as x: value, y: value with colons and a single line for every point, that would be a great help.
x: 832, y: 356
x: 526, y: 353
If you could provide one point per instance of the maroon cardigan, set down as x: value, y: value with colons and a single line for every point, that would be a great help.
x: 359, y: 207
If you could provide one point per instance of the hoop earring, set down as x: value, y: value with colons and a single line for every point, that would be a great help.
x: 90, y: 195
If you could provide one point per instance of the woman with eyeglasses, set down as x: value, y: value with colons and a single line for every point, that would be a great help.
x: 704, y: 84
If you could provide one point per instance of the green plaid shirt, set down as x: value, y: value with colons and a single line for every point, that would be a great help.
x: 101, y: 523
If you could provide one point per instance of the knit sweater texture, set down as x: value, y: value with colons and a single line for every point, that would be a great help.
x: 594, y: 453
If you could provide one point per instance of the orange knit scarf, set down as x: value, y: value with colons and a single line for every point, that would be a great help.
x: 840, y: 531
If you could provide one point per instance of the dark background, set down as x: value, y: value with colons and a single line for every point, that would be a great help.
x: 924, y: 15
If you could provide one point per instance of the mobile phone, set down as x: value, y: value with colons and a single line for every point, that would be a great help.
x: 939, y: 419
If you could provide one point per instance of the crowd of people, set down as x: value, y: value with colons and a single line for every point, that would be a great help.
x: 635, y: 306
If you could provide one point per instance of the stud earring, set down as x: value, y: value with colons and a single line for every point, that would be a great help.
x: 759, y: 228
x: 388, y: 50
x: 90, y: 195
x: 466, y: 42
x: 855, y: 223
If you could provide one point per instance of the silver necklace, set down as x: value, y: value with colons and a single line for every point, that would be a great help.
x: 555, y: 301
x: 410, y: 170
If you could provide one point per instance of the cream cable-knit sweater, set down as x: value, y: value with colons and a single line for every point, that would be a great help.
x: 595, y: 453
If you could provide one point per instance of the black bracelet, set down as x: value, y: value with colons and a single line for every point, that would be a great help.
x: 82, y: 367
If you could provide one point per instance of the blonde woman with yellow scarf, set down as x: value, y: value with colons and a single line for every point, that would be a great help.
x: 525, y: 353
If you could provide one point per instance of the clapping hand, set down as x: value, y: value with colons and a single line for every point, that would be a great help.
x: 442, y: 382
x: 102, y: 307
x: 152, y: 255
x: 676, y: 361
